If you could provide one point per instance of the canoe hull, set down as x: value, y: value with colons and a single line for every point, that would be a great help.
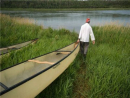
x: 34, y: 86
x: 15, y: 47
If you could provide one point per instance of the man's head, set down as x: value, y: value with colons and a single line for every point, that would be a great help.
x: 88, y: 20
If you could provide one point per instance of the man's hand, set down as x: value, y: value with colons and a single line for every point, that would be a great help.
x: 78, y: 40
x: 93, y: 42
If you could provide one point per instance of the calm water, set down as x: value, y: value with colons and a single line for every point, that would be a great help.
x: 73, y: 20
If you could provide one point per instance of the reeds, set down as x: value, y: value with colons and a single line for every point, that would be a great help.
x: 14, y: 30
x: 107, y: 70
x: 109, y: 63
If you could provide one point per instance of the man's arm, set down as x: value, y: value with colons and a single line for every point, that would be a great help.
x: 92, y: 36
x: 79, y: 35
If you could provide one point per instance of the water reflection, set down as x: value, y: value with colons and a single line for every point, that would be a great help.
x: 72, y: 20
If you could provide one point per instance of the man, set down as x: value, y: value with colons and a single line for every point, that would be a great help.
x: 83, y: 38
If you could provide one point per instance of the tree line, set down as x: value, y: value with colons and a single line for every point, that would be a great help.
x: 65, y: 4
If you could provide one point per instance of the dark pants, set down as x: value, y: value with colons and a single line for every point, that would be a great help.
x: 84, y: 47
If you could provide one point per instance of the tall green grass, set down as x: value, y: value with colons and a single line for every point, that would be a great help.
x: 17, y: 30
x: 109, y: 63
x: 106, y: 73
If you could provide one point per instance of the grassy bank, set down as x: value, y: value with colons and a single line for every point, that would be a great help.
x: 106, y: 74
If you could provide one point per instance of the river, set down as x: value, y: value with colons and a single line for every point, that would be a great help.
x: 73, y: 20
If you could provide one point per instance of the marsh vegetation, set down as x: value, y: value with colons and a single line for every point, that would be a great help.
x: 106, y: 73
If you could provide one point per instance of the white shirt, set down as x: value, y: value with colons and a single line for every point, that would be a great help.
x: 85, y: 31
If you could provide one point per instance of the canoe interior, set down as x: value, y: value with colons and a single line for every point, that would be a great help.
x: 18, y: 73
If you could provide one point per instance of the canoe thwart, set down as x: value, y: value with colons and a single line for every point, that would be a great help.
x: 45, y: 62
x: 3, y: 86
x: 63, y: 52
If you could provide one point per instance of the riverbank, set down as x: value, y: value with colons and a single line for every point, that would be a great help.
x: 67, y: 9
x: 106, y: 73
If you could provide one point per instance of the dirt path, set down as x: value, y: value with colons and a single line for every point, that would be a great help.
x: 81, y: 83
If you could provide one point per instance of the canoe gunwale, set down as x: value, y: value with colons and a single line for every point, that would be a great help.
x: 22, y: 82
x: 32, y: 40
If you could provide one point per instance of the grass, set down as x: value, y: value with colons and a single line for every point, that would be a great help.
x: 15, y: 31
x: 106, y: 73
x: 111, y: 64
x: 108, y: 64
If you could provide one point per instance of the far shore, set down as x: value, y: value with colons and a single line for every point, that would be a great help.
x: 61, y: 9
